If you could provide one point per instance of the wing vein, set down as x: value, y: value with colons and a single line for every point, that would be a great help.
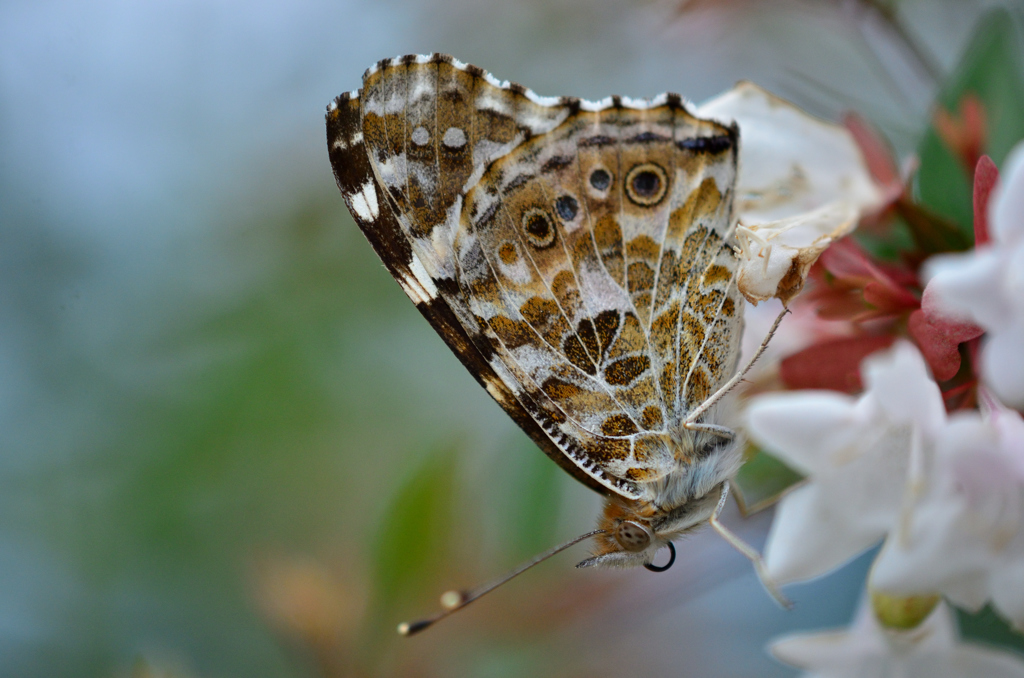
x: 710, y: 326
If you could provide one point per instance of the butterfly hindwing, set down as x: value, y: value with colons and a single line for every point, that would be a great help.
x: 575, y: 256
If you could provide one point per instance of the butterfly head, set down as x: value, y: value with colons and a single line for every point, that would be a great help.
x: 633, y: 532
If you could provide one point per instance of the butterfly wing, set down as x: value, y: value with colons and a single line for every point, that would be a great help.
x: 376, y: 216
x: 576, y: 260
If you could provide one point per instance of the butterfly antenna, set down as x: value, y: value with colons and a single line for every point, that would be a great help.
x: 453, y: 601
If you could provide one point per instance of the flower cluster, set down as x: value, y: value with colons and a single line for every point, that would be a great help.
x: 901, y: 413
x: 945, y: 492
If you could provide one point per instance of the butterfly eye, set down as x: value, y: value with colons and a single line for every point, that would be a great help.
x: 600, y: 179
x: 538, y: 228
x: 567, y: 207
x: 633, y: 536
x: 646, y: 184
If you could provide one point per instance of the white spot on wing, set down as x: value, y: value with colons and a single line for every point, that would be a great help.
x: 420, y: 136
x: 364, y: 203
x: 640, y: 104
x: 342, y: 144
x: 659, y: 100
x: 454, y: 138
x: 421, y: 288
x: 596, y: 105
x: 542, y: 101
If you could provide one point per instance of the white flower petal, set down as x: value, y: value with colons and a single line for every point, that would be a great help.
x: 812, y: 535
x: 867, y: 490
x: 965, y: 536
x: 1008, y: 590
x: 964, y: 286
x: 1002, y: 363
x: 1010, y: 428
x: 977, y: 660
x: 856, y: 455
x: 932, y: 558
x: 820, y: 162
x: 865, y: 650
x: 823, y: 649
x: 1013, y: 279
x: 802, y: 183
x: 1006, y: 211
x: 967, y: 591
x: 900, y: 383
x: 805, y: 428
x: 775, y: 257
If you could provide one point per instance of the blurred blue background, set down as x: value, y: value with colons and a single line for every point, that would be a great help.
x: 230, y: 445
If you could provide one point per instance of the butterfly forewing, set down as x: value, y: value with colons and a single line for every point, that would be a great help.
x: 576, y: 257
x: 378, y: 220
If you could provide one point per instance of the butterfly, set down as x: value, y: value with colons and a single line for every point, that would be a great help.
x: 578, y: 257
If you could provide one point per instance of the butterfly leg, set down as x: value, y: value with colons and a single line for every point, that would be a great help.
x: 691, y: 421
x: 747, y: 550
x: 721, y: 431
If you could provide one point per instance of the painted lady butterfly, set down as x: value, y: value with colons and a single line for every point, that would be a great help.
x: 578, y: 258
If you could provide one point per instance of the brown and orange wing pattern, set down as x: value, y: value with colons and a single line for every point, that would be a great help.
x: 575, y: 256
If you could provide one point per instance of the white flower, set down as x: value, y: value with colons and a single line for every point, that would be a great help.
x: 986, y: 285
x: 965, y: 537
x: 866, y: 650
x: 856, y: 454
x: 802, y: 184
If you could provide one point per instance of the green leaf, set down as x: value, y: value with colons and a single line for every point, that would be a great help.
x: 415, y: 531
x: 762, y: 481
x: 990, y: 70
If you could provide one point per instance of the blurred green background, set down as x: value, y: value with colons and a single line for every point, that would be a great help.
x: 230, y: 445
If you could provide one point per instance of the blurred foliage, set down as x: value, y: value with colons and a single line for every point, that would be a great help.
x: 762, y: 480
x: 412, y: 538
x: 987, y: 626
x: 991, y: 70
x: 534, y: 497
